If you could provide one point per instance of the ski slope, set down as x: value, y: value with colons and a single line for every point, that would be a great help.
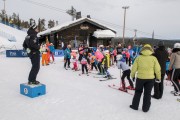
x: 19, y: 36
x: 73, y: 97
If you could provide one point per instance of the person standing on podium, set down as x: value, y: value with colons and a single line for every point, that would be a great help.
x: 32, y: 46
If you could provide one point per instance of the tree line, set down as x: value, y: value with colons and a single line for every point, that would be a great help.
x: 15, y: 20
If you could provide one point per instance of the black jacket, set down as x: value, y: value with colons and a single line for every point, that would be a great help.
x: 119, y: 50
x: 162, y: 56
x: 31, y: 41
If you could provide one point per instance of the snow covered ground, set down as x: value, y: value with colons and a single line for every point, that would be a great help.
x: 73, y: 97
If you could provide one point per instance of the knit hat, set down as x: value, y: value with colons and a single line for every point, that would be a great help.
x: 177, y: 45
x: 161, y: 43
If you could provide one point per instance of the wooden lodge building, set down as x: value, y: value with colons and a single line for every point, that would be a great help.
x: 82, y: 31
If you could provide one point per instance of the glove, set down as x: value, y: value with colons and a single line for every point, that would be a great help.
x: 133, y: 79
x: 157, y: 81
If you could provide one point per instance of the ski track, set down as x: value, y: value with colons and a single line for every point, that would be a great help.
x: 70, y: 96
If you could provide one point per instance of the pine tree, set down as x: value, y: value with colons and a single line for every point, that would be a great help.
x: 51, y: 24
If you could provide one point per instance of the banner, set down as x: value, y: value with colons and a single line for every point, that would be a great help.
x: 59, y: 53
x: 16, y: 53
x: 22, y: 53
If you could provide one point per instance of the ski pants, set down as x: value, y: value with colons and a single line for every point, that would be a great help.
x: 84, y: 66
x: 175, y: 80
x: 127, y: 73
x: 93, y: 65
x: 67, y: 61
x: 147, y: 85
x: 106, y: 71
x: 101, y: 69
x: 35, y: 61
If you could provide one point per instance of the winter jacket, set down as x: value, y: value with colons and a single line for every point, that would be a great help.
x: 52, y: 49
x: 162, y: 56
x: 122, y: 65
x: 119, y: 50
x: 175, y: 59
x: 32, y: 41
x: 43, y: 49
x: 67, y: 53
x: 146, y: 65
x: 106, y: 61
x: 84, y: 60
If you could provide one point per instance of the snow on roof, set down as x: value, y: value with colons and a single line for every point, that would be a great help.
x: 59, y: 27
x: 104, y: 34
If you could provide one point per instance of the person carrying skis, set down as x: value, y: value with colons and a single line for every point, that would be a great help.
x: 121, y: 64
x: 147, y: 68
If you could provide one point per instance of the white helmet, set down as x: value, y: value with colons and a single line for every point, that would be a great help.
x: 118, y: 57
x: 177, y: 45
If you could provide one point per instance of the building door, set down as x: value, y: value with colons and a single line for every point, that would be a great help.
x: 92, y: 41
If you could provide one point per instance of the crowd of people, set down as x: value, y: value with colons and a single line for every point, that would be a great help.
x: 145, y: 65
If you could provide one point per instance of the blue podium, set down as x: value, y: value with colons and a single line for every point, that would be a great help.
x: 32, y: 90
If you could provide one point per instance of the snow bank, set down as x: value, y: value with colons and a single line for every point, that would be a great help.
x: 19, y: 36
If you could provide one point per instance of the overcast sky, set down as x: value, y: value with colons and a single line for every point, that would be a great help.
x: 162, y: 16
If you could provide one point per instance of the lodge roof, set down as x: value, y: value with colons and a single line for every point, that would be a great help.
x: 74, y: 23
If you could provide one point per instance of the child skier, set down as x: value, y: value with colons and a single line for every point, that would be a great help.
x: 43, y: 50
x: 75, y: 63
x: 121, y: 64
x: 106, y: 63
x: 84, y: 62
x: 92, y: 59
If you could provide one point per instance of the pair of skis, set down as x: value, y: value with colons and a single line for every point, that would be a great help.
x: 105, y: 78
x: 83, y: 74
x: 118, y: 88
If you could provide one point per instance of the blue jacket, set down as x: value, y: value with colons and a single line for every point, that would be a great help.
x: 67, y: 53
x: 52, y: 49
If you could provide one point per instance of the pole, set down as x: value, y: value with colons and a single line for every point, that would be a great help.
x: 4, y: 4
x: 125, y: 7
x: 134, y: 37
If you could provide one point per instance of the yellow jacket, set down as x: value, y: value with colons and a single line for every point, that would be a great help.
x: 146, y: 65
